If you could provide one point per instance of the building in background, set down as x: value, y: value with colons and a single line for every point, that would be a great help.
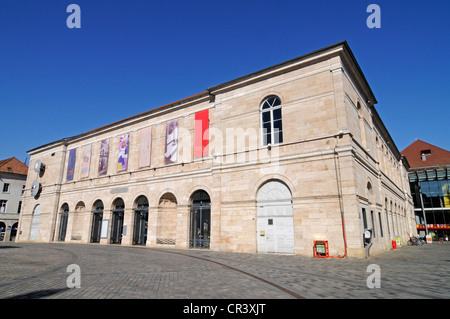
x: 429, y: 179
x: 270, y: 162
x: 13, y: 175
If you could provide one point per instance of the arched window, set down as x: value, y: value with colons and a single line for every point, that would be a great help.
x: 271, y: 122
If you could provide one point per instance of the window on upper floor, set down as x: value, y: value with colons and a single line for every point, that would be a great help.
x: 271, y: 121
x: 6, y: 187
x: 3, y: 205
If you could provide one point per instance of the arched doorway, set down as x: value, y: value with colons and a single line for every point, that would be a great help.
x: 140, y: 221
x: 118, y: 212
x: 34, y: 233
x: 12, y: 236
x: 64, y: 216
x: 2, y: 231
x: 200, y: 220
x: 97, y: 218
x: 275, y: 222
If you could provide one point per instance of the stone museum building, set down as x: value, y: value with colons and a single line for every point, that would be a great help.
x: 270, y: 162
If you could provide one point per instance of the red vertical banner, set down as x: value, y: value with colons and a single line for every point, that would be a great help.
x: 201, y: 140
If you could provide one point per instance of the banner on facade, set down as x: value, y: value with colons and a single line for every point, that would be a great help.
x: 171, y: 142
x: 146, y: 147
x: 85, y: 160
x: 104, y: 154
x: 200, y: 140
x: 71, y: 164
x: 122, y: 163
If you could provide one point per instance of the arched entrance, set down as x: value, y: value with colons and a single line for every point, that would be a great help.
x: 2, y: 231
x: 117, y: 221
x: 34, y: 233
x: 140, y: 221
x: 200, y: 220
x: 275, y: 222
x: 97, y: 218
x: 12, y: 236
x: 64, y: 216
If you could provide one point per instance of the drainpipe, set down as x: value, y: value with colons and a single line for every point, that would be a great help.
x: 339, y: 189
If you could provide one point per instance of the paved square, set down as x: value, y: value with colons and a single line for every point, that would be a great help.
x: 108, y: 271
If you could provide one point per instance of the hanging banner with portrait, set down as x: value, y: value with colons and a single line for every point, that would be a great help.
x: 171, y: 142
x: 71, y: 164
x: 85, y: 160
x: 104, y: 154
x: 122, y: 163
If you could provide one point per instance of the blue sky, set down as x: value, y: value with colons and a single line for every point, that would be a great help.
x: 130, y: 56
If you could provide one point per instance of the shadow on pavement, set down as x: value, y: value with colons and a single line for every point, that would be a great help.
x: 39, y: 294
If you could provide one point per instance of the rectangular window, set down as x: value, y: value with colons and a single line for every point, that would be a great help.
x: 364, y: 218
x: 3, y: 205
x: 387, y: 222
x: 373, y: 224
x: 6, y: 188
x: 381, y: 224
x: 20, y: 206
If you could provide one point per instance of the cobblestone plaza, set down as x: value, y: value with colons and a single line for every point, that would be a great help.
x: 38, y: 270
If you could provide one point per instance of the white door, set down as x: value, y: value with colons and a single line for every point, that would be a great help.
x: 35, y: 223
x: 275, y: 223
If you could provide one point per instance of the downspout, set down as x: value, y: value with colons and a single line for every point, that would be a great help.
x: 341, y: 205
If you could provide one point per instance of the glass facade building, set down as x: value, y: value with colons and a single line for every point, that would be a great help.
x: 430, y: 189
